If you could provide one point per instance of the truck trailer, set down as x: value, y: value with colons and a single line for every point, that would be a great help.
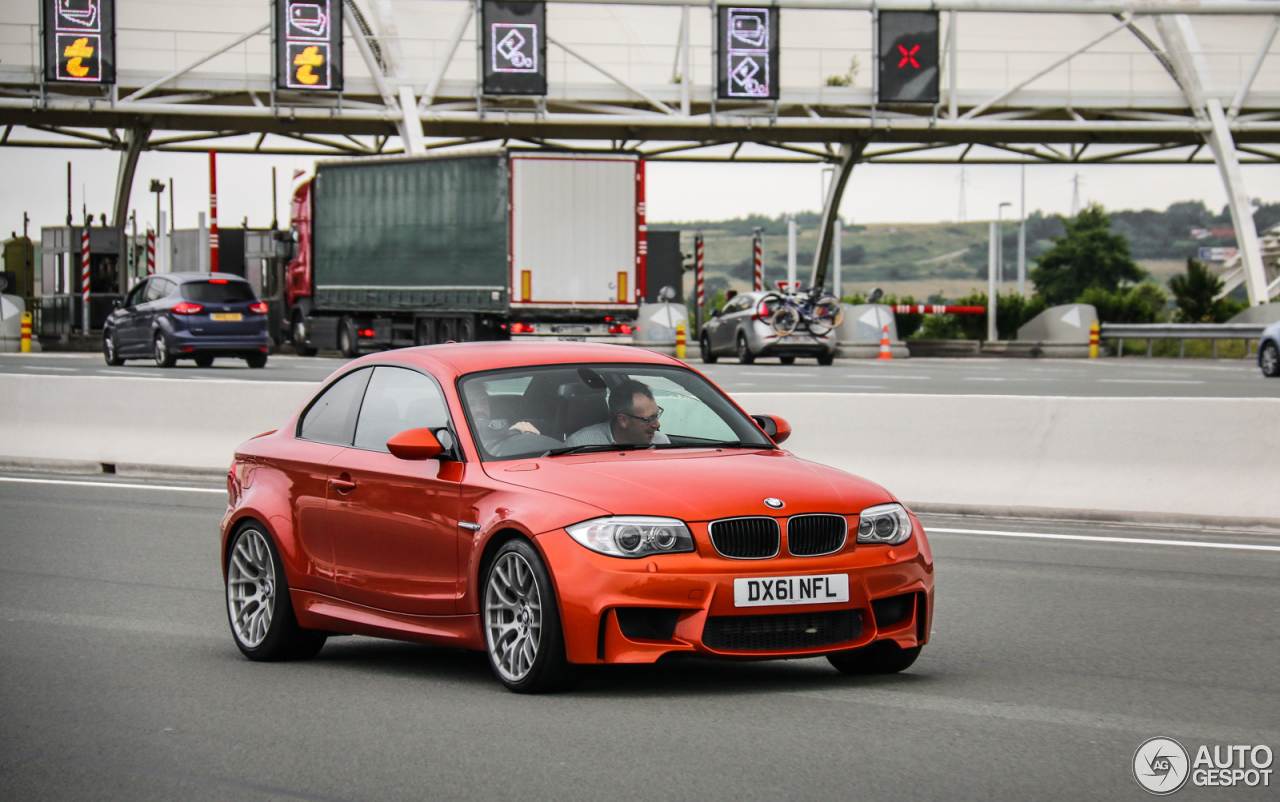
x: 400, y: 251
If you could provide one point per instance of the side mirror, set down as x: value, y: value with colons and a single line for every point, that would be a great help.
x: 715, y: 313
x: 117, y: 303
x: 415, y: 444
x: 777, y: 428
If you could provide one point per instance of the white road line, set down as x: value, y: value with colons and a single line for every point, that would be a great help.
x: 880, y: 376
x: 1150, y: 381
x: 44, y: 367
x: 1101, y: 539
x: 221, y: 490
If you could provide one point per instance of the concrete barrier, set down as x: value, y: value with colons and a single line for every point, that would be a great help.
x: 1191, y: 456
x: 194, y: 424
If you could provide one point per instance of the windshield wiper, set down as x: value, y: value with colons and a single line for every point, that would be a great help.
x: 587, y: 449
x: 714, y: 444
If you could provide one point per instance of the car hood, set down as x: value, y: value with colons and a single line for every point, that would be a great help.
x: 694, y: 486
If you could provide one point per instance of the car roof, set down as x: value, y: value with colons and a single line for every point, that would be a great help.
x: 461, y: 358
x: 183, y: 278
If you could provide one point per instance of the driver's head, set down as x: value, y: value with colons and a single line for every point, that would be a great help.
x: 632, y: 413
x: 478, y: 402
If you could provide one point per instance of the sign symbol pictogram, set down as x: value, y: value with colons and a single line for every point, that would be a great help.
x: 909, y: 56
x: 308, y: 58
x: 76, y: 51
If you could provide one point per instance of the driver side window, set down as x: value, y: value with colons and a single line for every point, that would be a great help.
x: 135, y: 295
x: 398, y: 399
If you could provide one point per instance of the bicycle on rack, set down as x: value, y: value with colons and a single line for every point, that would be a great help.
x: 814, y: 310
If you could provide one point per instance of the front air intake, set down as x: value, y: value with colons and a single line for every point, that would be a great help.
x: 746, y: 538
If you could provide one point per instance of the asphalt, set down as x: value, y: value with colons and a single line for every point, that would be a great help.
x: 1057, y: 649
x: 1131, y: 377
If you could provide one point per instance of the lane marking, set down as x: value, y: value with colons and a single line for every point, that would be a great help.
x: 1103, y: 539
x: 74, y: 483
x: 45, y: 367
x: 1150, y: 381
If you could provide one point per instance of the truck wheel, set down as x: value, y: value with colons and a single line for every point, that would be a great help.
x: 447, y: 332
x: 300, y: 336
x: 347, y: 338
x: 467, y: 330
x: 424, y: 332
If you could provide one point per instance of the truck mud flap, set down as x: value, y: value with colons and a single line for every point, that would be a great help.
x: 322, y: 332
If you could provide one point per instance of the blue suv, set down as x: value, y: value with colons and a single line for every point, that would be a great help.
x: 197, y: 316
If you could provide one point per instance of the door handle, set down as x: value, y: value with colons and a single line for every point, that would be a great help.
x: 342, y: 485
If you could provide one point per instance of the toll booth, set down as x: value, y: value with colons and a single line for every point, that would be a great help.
x: 264, y: 269
x: 21, y: 263
x: 59, y: 292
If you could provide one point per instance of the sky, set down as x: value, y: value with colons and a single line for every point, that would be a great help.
x: 36, y: 183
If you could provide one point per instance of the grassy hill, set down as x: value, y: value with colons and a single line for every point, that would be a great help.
x: 941, y: 260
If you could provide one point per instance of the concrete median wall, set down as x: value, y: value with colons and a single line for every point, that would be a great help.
x: 1192, y: 456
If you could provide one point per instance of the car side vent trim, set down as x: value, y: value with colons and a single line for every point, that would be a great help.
x: 751, y: 538
x: 816, y: 535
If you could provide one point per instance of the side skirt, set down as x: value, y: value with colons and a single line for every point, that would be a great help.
x: 318, y: 611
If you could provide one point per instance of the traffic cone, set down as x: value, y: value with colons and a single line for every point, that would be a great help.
x: 885, y: 351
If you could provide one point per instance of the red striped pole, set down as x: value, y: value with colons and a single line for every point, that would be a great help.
x: 84, y: 277
x: 699, y: 274
x: 213, y: 211
x: 151, y: 252
x: 758, y: 257
x: 933, y: 309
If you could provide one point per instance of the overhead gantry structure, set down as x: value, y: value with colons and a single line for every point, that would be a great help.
x: 1069, y: 82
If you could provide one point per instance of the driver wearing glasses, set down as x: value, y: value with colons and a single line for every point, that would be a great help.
x: 633, y: 419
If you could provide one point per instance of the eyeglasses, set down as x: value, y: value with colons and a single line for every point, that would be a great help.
x: 650, y: 420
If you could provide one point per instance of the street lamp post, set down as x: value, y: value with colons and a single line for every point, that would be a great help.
x: 157, y: 187
x: 1000, y: 250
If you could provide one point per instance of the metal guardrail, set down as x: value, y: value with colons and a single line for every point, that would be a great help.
x: 1181, y: 332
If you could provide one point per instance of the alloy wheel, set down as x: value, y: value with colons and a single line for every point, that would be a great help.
x: 513, y: 616
x: 1270, y: 360
x: 251, y: 588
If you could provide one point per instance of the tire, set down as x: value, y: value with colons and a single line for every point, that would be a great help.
x: 299, y: 334
x: 827, y: 314
x: 447, y: 330
x: 881, y: 657
x: 745, y: 356
x: 204, y: 361
x: 827, y: 359
x: 704, y: 345
x: 467, y: 330
x: 787, y: 360
x: 424, y: 331
x: 784, y: 320
x: 162, y: 352
x: 109, y: 351
x: 522, y: 631
x: 255, y: 360
x: 259, y: 609
x: 347, y: 342
x: 1269, y: 360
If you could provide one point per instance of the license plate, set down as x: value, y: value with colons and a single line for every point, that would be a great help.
x: 820, y: 589
x: 227, y: 316
x: 567, y: 339
x: 570, y: 329
x: 795, y: 339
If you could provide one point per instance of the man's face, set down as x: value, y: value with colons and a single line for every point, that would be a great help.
x: 631, y: 429
x: 478, y: 400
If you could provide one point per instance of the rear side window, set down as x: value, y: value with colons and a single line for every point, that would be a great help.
x: 398, y: 399
x: 222, y: 291
x: 157, y: 288
x: 331, y: 418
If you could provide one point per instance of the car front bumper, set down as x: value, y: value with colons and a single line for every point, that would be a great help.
x: 696, y: 589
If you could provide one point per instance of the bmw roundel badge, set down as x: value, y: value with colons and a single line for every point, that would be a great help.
x: 774, y: 503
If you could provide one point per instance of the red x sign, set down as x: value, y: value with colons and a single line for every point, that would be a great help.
x: 908, y: 56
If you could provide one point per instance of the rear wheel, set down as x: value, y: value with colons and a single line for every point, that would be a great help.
x: 162, y: 352
x: 347, y: 338
x: 424, y: 331
x: 881, y: 657
x: 204, y: 361
x: 826, y: 359
x: 447, y: 330
x: 109, y: 351
x: 1269, y: 360
x: 258, y: 604
x: 467, y: 330
x: 522, y: 631
x: 787, y: 360
x: 255, y: 360
x: 704, y: 345
x: 744, y: 351
x: 299, y: 329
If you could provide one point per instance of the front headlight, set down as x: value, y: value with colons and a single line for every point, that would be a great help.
x: 884, y: 523
x: 632, y: 536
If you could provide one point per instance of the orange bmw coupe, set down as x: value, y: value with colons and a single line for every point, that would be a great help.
x: 560, y: 505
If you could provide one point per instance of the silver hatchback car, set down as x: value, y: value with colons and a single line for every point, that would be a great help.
x: 742, y: 329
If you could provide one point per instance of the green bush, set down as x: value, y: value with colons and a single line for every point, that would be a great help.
x: 1194, y: 295
x: 1140, y: 303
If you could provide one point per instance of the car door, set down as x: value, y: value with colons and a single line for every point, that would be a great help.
x: 125, y: 321
x: 394, y: 522
x: 727, y: 332
x: 153, y: 304
x: 326, y: 430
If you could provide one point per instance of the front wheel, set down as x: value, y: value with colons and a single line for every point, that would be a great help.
x: 1269, y: 360
x: 258, y: 604
x: 109, y: 351
x: 522, y: 631
x: 162, y: 353
x: 881, y: 657
x: 744, y: 351
x: 704, y: 345
x: 300, y: 346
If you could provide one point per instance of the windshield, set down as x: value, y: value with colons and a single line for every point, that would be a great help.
x: 529, y: 412
x: 218, y: 291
